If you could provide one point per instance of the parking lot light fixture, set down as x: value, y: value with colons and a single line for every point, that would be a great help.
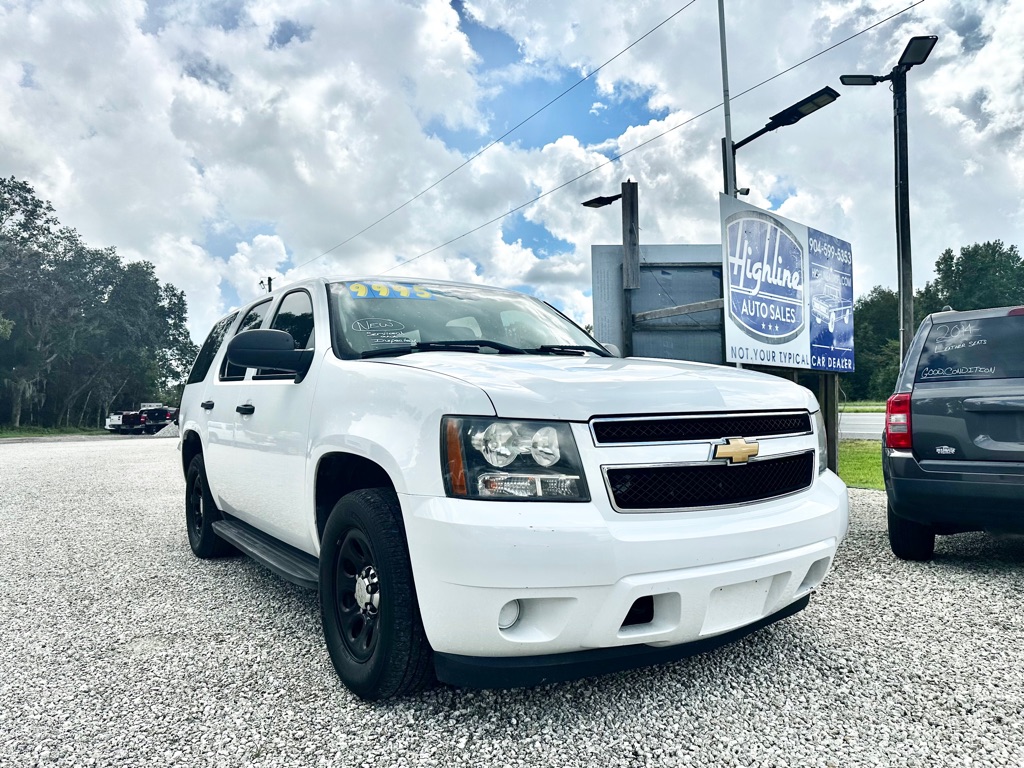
x: 630, y: 253
x: 916, y: 52
x: 789, y: 116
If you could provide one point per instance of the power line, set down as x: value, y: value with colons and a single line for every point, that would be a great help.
x: 651, y: 140
x: 511, y: 130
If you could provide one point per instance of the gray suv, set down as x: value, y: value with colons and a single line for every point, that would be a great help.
x: 953, y: 446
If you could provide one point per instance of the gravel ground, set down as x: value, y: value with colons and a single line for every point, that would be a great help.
x: 119, y: 648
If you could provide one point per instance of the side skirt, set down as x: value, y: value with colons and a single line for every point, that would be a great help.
x: 286, y: 561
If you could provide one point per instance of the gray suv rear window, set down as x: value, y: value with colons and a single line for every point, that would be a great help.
x: 983, y: 348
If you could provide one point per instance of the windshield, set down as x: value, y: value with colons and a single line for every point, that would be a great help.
x: 368, y: 318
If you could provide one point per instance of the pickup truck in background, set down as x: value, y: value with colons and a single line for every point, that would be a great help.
x: 148, y: 420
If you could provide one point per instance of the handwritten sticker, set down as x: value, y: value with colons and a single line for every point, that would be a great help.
x: 376, y: 324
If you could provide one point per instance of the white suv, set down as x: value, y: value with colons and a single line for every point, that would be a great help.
x: 481, y: 492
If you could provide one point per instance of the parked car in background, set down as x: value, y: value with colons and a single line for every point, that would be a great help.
x: 148, y: 420
x: 953, y: 446
x: 482, y: 492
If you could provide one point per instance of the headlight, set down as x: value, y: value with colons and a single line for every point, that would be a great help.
x: 819, y: 430
x: 512, y: 460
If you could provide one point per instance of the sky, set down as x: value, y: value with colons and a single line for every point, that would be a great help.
x: 226, y: 141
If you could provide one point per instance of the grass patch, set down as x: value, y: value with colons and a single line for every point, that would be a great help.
x: 50, y: 431
x: 860, y: 463
x: 863, y: 406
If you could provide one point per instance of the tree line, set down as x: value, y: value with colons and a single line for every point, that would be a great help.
x: 82, y: 332
x: 982, y: 275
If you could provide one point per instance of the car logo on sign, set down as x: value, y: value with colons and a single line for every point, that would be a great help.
x: 736, y: 450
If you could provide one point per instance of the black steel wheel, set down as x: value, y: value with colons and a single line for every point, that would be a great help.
x: 368, y: 602
x: 908, y: 539
x: 200, y: 514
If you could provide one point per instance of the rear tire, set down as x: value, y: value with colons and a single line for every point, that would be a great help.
x: 909, y: 540
x: 200, y: 514
x: 368, y: 605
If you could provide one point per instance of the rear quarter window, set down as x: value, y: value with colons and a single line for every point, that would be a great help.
x: 983, y: 348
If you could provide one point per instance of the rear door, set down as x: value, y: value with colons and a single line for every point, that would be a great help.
x: 968, y: 398
x: 199, y: 409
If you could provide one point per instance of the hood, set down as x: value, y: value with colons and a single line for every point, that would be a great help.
x: 578, y: 388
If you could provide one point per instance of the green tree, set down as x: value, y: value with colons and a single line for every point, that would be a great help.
x: 876, y: 323
x: 982, y: 275
x: 81, y: 331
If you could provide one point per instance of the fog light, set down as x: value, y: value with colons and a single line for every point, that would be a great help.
x: 508, y: 615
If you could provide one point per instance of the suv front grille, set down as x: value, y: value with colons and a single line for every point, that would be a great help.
x: 680, y: 429
x: 668, y: 488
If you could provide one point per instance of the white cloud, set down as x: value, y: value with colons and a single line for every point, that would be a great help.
x: 229, y: 142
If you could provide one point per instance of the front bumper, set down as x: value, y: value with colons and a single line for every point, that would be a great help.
x: 518, y: 671
x: 576, y: 571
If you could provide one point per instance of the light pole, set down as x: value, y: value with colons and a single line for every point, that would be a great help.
x: 630, y: 254
x: 915, y: 53
x: 788, y: 116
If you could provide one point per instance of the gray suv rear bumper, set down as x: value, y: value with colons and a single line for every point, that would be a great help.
x: 955, y: 496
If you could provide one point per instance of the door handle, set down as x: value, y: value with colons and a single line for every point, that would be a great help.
x: 246, y: 410
x: 206, y: 405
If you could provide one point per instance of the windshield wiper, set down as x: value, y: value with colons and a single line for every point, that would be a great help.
x: 569, y: 349
x: 468, y: 345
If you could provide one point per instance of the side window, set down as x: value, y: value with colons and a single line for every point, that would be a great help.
x: 253, y: 319
x: 295, y: 315
x: 209, y: 349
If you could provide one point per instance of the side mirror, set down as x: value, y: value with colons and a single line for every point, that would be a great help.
x: 616, y: 352
x: 265, y: 348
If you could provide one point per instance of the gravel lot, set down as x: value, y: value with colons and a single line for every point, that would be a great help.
x: 118, y: 647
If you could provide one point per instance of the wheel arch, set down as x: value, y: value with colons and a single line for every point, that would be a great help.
x: 191, y: 446
x: 338, y: 474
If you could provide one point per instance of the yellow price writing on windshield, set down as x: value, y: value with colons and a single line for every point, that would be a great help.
x: 388, y: 291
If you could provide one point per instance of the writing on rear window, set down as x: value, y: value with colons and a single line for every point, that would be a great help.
x: 983, y: 348
x: 932, y: 373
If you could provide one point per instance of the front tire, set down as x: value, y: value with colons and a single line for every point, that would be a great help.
x: 909, y: 540
x: 200, y: 514
x: 368, y: 605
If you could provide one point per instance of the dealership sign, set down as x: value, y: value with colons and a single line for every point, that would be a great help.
x: 788, y: 292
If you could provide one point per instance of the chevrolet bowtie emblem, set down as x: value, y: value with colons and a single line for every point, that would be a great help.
x: 736, y: 449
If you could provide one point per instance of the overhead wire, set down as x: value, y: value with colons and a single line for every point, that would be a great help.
x: 503, y: 136
x: 643, y: 144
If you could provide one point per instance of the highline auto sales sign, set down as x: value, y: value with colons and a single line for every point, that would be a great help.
x: 788, y: 292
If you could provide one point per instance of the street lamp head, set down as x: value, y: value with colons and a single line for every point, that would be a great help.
x: 917, y: 50
x: 601, y: 202
x: 860, y: 79
x: 803, y: 108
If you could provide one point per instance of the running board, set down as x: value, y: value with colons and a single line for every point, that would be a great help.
x: 287, y: 562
